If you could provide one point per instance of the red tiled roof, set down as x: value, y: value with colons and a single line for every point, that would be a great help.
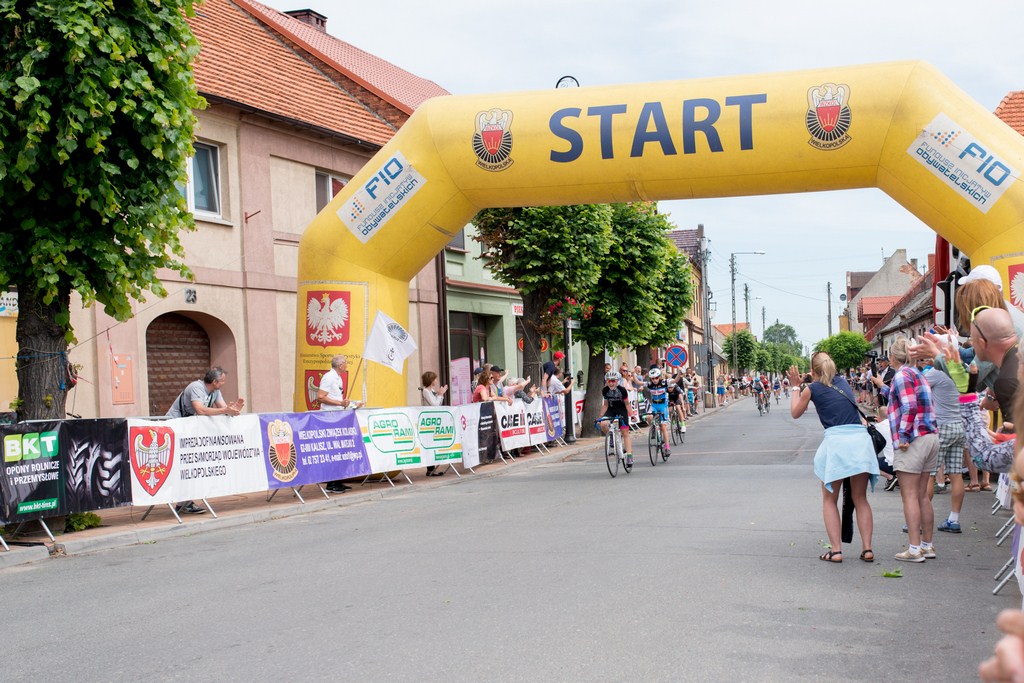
x: 241, y: 62
x: 726, y: 329
x: 925, y: 282
x: 875, y: 305
x: 686, y: 241
x: 1011, y: 111
x: 403, y: 89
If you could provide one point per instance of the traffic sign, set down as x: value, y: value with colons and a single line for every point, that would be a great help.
x: 675, y: 356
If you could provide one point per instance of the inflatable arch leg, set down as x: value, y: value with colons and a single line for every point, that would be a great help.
x: 901, y: 127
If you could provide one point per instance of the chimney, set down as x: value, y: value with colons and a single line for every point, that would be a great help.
x: 308, y: 16
x: 913, y: 263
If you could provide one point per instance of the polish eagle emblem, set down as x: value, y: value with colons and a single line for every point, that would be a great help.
x: 151, y: 461
x: 327, y: 318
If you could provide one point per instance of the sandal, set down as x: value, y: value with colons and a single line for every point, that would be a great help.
x: 986, y: 487
x: 828, y: 557
x: 864, y: 555
x: 972, y: 487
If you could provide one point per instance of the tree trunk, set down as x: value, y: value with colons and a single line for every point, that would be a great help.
x: 644, y: 356
x: 42, y: 356
x: 595, y: 382
x: 532, y: 308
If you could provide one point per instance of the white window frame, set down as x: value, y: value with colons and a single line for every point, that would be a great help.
x: 190, y: 188
x: 330, y: 178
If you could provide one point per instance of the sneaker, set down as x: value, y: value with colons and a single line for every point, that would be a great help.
x: 905, y: 529
x: 629, y: 459
x: 667, y: 451
x: 337, y: 488
x: 190, y: 508
x: 891, y: 484
x: 951, y: 527
x: 941, y: 488
x: 928, y: 553
x: 907, y: 556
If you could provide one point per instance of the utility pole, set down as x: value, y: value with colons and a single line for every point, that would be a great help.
x: 732, y: 272
x: 829, y: 290
x: 746, y: 300
x: 764, y: 325
x: 705, y: 256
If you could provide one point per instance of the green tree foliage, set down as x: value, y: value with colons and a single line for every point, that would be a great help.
x: 674, y: 298
x: 785, y: 336
x: 626, y: 312
x: 96, y: 123
x: 846, y: 348
x: 763, y: 360
x: 746, y: 349
x: 547, y: 253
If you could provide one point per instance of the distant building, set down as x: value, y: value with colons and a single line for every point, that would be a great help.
x: 868, y: 301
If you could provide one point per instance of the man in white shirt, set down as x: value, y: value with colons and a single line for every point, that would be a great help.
x: 331, y: 392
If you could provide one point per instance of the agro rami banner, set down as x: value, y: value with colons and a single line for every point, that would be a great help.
x: 309, y: 448
x: 30, y: 481
x: 195, y: 457
x: 405, y: 438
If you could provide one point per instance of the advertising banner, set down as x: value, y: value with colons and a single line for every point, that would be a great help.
x: 553, y: 422
x: 30, y: 485
x: 487, y: 434
x: 512, y: 430
x: 467, y: 419
x: 535, y: 423
x: 95, y: 462
x: 405, y: 438
x: 577, y: 402
x: 195, y: 457
x: 461, y: 390
x: 314, y: 447
x: 634, y: 408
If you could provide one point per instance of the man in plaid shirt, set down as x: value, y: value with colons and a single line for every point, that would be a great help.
x: 916, y: 445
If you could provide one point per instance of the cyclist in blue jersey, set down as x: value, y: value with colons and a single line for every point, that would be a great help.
x: 675, y: 399
x: 657, y: 390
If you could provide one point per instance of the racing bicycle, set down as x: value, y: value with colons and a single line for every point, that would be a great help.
x: 655, y: 441
x: 613, y: 453
x: 676, y: 428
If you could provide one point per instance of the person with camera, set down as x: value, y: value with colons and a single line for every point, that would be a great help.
x: 845, y: 452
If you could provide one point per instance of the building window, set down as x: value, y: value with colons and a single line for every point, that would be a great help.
x: 203, y: 190
x: 468, y: 337
x: 459, y: 241
x: 327, y: 186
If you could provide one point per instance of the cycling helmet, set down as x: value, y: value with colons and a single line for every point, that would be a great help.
x: 609, y: 376
x: 655, y: 373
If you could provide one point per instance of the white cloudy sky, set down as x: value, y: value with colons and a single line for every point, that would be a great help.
x: 810, y: 239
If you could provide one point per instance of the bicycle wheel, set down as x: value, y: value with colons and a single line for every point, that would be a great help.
x: 611, y: 457
x: 760, y: 408
x: 626, y: 465
x: 652, y: 442
x: 673, y: 428
x: 767, y: 407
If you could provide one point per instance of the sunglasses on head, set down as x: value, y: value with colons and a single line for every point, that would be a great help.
x: 974, y: 314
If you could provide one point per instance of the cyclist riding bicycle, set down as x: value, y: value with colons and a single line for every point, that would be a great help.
x: 760, y: 389
x: 675, y: 399
x: 616, y: 404
x: 777, y: 387
x: 657, y: 390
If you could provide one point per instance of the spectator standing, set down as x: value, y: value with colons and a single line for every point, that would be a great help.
x: 916, y: 446
x: 549, y: 369
x: 432, y: 395
x: 846, y: 451
x: 203, y: 397
x: 331, y: 395
x: 951, y: 441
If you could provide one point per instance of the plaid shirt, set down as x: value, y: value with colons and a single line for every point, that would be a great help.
x: 911, y: 412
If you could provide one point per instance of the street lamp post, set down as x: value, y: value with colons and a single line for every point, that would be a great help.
x: 732, y: 271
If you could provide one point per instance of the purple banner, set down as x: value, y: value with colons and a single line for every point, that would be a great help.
x: 309, y: 448
x: 553, y: 425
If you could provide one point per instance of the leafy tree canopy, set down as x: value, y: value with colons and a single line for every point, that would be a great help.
x: 96, y: 126
x: 746, y: 349
x: 785, y: 336
x: 847, y: 349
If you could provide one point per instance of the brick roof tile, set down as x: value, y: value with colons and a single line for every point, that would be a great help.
x: 1011, y: 111
x: 396, y: 85
x: 243, y: 63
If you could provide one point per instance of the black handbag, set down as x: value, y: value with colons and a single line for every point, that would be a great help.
x: 877, y: 439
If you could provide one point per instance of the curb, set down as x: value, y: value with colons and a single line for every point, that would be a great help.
x: 121, y: 539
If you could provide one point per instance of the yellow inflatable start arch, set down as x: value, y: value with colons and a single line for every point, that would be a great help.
x: 900, y: 127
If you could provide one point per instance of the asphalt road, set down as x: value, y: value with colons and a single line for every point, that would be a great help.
x: 703, y: 568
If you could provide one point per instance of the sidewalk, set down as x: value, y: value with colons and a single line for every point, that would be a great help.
x: 124, y: 526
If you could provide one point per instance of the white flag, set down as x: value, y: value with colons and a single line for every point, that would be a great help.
x: 389, y: 343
